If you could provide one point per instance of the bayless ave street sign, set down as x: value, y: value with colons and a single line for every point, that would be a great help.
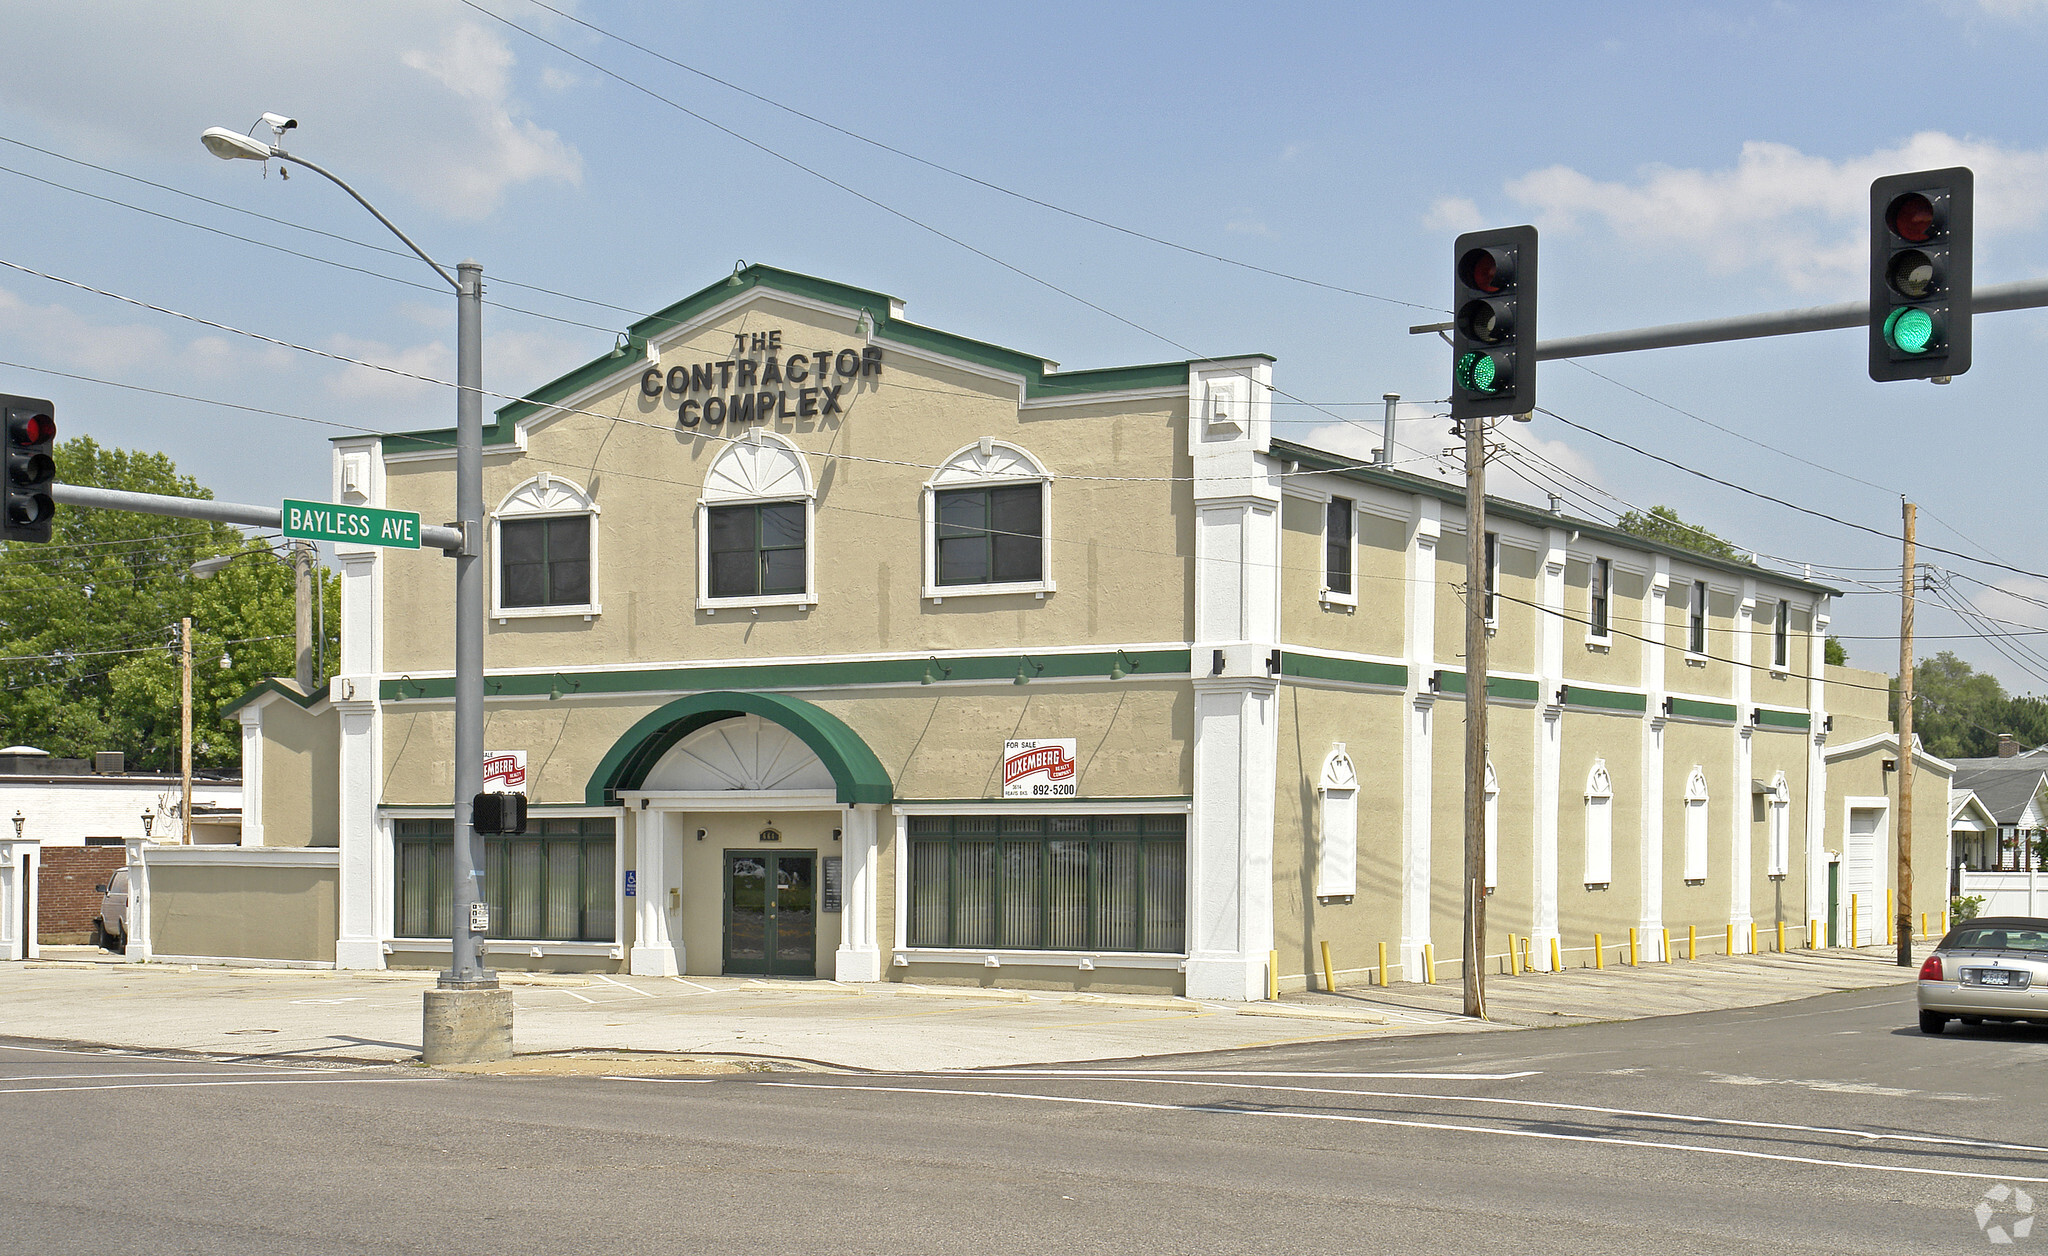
x: 351, y: 525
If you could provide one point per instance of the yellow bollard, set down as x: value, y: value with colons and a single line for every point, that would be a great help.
x: 1891, y: 924
x: 1813, y: 934
x: 1923, y: 926
x: 1752, y: 937
x: 1329, y: 973
x: 1781, y: 937
x: 1527, y: 966
x: 1944, y: 924
x: 1599, y: 952
x: 1855, y: 928
x: 1692, y: 942
x: 1511, y: 955
x: 1667, y: 945
x: 1635, y: 959
x: 1731, y: 937
x: 1429, y: 962
x: 1383, y: 965
x: 1273, y: 975
x: 1556, y: 958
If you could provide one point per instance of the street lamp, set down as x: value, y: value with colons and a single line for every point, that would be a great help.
x: 456, y: 1028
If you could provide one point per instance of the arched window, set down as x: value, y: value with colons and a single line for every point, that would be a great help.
x: 1337, y: 868
x: 987, y: 512
x: 1696, y: 826
x: 1779, y: 812
x: 754, y: 526
x: 1599, y: 825
x: 1492, y: 828
x: 545, y: 537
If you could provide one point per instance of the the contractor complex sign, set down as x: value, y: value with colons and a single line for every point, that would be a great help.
x: 351, y: 525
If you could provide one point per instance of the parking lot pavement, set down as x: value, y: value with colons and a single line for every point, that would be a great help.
x: 374, y: 1017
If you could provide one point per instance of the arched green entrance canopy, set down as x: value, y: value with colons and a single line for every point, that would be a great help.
x: 856, y: 772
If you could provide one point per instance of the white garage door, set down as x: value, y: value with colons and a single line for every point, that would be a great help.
x: 1860, y: 878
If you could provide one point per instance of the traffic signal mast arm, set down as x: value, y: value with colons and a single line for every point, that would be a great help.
x: 442, y: 538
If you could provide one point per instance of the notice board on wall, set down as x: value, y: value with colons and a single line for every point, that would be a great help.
x: 833, y: 866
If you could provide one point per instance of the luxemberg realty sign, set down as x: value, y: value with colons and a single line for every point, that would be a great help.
x: 1039, y: 768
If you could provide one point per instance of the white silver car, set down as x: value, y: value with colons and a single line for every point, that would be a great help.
x: 110, y: 928
x: 1991, y: 969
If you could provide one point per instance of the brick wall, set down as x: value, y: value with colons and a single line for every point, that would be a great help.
x: 65, y: 882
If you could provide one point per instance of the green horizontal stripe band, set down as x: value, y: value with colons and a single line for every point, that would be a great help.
x: 1347, y: 671
x: 1691, y: 709
x: 1498, y: 688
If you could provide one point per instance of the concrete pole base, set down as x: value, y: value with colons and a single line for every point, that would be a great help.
x: 466, y: 1027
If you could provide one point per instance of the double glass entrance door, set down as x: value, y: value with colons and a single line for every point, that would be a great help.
x: 771, y: 917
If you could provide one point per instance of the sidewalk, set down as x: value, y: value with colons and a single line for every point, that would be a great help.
x: 579, y: 1023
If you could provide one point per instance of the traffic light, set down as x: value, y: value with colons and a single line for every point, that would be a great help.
x: 498, y: 814
x: 31, y: 473
x: 1493, y: 324
x: 1920, y: 274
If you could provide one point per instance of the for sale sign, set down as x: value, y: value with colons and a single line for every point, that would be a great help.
x: 504, y: 771
x: 1039, y: 768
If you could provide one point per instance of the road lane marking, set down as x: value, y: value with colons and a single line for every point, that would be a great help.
x: 253, y: 1081
x: 623, y: 986
x: 1171, y: 1079
x: 1350, y: 1119
x: 148, y: 1053
x: 682, y: 1081
x: 81, y: 1077
x: 1141, y: 1074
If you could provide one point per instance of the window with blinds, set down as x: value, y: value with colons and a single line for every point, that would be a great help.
x: 1052, y: 883
x: 556, y: 883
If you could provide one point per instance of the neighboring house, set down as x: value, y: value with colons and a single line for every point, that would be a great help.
x: 1973, y: 831
x: 2015, y: 792
x: 830, y: 644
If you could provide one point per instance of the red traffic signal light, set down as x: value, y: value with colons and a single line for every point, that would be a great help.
x: 27, y: 499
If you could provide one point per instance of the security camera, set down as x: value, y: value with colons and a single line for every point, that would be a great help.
x: 278, y: 122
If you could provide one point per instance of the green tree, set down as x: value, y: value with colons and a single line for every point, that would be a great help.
x: 88, y: 637
x: 1834, y: 653
x: 1662, y: 524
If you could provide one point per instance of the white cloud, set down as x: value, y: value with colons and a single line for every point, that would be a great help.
x: 504, y: 148
x: 2016, y: 600
x: 58, y: 335
x: 1800, y: 216
x: 1245, y: 224
x: 1453, y: 214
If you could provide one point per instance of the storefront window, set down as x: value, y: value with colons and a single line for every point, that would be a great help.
x: 556, y: 883
x: 1065, y: 883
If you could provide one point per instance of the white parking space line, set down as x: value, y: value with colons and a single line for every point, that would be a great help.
x: 676, y: 1081
x: 623, y: 986
x: 139, y: 1053
x: 1143, y: 1074
x: 1939, y: 1140
x: 705, y: 989
x: 251, y: 1081
x: 79, y: 1077
x: 1441, y: 1126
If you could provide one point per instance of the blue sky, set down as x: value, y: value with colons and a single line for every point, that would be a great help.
x: 1682, y: 162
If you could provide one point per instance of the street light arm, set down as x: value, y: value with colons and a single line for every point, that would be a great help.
x: 337, y: 180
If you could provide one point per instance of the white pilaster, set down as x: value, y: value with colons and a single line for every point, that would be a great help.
x: 860, y: 959
x: 1815, y: 845
x: 140, y: 910
x: 1418, y: 748
x: 251, y: 719
x: 1655, y: 631
x: 653, y: 954
x: 364, y: 879
x: 18, y: 898
x: 1549, y: 717
x: 1740, y: 872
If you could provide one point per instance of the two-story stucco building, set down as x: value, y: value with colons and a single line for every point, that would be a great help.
x: 778, y: 591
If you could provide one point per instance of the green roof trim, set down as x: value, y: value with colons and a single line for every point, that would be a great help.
x: 1498, y: 688
x: 857, y: 773
x: 1767, y: 718
x: 1401, y: 481
x: 1140, y: 664
x: 1041, y: 379
x: 1346, y: 671
x: 273, y: 685
x: 1604, y: 699
x: 1693, y: 709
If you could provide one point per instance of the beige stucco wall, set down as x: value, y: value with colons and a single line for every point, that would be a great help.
x: 244, y: 912
x: 1370, y: 725
x: 1616, y: 741
x: 1704, y: 906
x: 1379, y: 582
x: 1772, y: 899
x: 1511, y: 744
x: 1860, y: 701
x: 1861, y: 775
x: 1121, y: 524
x: 1616, y: 661
x: 301, y: 775
x: 1782, y: 686
x: 1512, y: 645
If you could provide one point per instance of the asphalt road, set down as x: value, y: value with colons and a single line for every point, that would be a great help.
x: 1824, y: 1126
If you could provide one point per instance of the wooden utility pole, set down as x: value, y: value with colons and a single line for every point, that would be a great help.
x: 185, y: 725
x: 1475, y: 718
x: 1903, y: 926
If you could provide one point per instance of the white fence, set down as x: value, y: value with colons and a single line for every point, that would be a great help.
x: 2008, y: 893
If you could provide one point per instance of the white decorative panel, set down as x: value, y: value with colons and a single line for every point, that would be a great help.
x: 1599, y: 825
x: 761, y: 466
x: 744, y: 753
x: 1337, y: 871
x: 1696, y: 825
x: 988, y: 460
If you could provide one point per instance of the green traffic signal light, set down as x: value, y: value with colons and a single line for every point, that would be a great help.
x: 1909, y: 329
x: 1482, y: 373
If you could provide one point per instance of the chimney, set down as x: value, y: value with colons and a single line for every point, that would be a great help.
x: 2008, y: 746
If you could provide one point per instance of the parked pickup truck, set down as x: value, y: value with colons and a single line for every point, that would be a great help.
x: 110, y: 927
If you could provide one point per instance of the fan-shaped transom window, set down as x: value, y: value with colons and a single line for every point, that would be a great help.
x: 544, y: 535
x: 755, y: 526
x: 988, y: 511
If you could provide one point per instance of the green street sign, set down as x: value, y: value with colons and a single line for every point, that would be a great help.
x: 351, y: 525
